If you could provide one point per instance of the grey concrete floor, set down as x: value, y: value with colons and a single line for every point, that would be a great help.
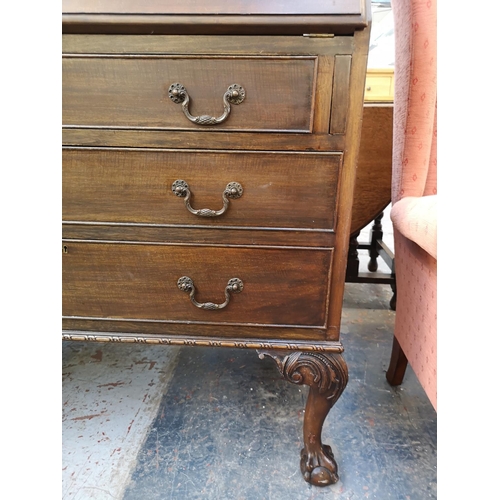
x: 151, y: 422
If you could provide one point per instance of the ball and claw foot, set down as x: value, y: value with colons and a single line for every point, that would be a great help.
x: 319, y: 468
x: 326, y: 375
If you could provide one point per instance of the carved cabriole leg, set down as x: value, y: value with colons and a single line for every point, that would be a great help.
x: 326, y: 375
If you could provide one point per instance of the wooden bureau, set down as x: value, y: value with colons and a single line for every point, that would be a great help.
x: 209, y: 156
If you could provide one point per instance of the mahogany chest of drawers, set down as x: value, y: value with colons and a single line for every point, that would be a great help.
x: 209, y: 158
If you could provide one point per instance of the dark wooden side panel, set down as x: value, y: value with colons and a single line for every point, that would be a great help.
x: 132, y: 92
x: 372, y: 192
x: 347, y: 180
x: 139, y: 281
x: 280, y: 190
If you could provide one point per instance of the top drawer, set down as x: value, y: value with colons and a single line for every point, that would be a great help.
x: 276, y: 93
x: 131, y: 89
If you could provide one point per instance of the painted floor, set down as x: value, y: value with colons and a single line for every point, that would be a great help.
x: 162, y: 423
x: 111, y: 394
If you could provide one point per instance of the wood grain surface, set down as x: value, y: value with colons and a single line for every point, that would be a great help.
x: 280, y: 190
x: 121, y: 83
x: 306, y: 104
x: 139, y: 281
x: 372, y: 191
x: 256, y: 17
x: 132, y: 92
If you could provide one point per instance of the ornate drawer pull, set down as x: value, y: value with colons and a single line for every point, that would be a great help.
x: 235, y: 94
x: 233, y: 190
x: 185, y: 284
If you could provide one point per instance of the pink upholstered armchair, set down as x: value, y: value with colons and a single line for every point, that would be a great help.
x: 414, y: 193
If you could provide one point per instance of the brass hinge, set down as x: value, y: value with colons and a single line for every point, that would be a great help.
x: 319, y: 35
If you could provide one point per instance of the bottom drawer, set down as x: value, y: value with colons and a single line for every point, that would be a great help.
x: 287, y: 287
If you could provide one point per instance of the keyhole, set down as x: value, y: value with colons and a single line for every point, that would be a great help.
x: 65, y: 249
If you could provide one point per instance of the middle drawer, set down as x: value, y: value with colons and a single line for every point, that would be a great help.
x: 267, y: 190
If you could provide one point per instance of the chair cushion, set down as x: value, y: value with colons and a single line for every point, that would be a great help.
x: 416, y: 219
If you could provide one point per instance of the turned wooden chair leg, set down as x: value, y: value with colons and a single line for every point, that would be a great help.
x: 352, y: 270
x: 326, y: 375
x: 397, y: 365
x: 376, y: 235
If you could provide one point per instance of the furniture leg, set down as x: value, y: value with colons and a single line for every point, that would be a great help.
x: 376, y: 235
x: 352, y: 256
x: 397, y: 365
x: 394, y: 297
x: 326, y: 375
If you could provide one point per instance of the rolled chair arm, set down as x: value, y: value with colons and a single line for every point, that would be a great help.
x: 416, y: 219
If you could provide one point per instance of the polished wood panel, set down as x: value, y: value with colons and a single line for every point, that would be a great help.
x: 280, y: 190
x: 220, y: 17
x: 372, y: 192
x: 139, y: 281
x: 132, y: 92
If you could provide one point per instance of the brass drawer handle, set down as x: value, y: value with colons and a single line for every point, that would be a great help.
x: 185, y: 284
x: 233, y: 190
x: 235, y: 94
